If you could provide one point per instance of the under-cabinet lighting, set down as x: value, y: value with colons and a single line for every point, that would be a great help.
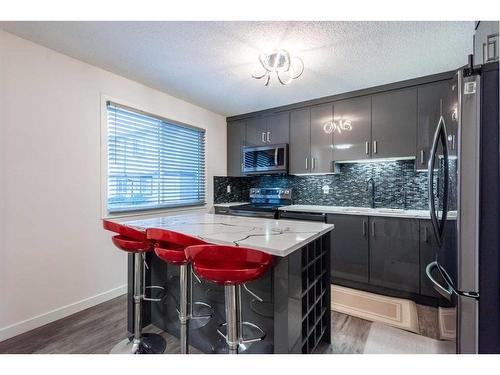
x: 381, y: 160
x: 342, y: 147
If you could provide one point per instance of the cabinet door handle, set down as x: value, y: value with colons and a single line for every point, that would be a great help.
x: 313, y: 164
x: 269, y: 137
x: 422, y: 156
x: 307, y: 164
x: 373, y: 229
x: 374, y: 147
x: 263, y: 137
x: 453, y: 142
x: 364, y: 228
x: 367, y: 147
x: 426, y: 238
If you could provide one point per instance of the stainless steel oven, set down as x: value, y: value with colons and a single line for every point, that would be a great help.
x: 265, y: 159
x: 264, y: 202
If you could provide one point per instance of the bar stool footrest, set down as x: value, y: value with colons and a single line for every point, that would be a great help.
x: 250, y: 335
x: 154, y: 299
x: 201, y: 315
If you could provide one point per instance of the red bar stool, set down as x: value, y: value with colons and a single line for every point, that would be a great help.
x: 169, y: 246
x: 134, y: 241
x: 232, y: 267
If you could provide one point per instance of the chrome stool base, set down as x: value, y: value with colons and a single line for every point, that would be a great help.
x: 238, y: 334
x: 250, y: 333
x: 151, y: 343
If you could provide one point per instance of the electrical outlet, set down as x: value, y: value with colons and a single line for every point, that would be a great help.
x: 228, y: 188
x: 326, y: 189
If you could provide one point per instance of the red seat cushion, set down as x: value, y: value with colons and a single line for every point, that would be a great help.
x: 130, y: 245
x: 124, y: 230
x: 228, y: 265
x: 169, y: 245
x: 128, y: 239
x: 171, y: 255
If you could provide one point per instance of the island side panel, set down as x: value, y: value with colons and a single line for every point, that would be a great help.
x: 302, y: 303
x: 295, y: 313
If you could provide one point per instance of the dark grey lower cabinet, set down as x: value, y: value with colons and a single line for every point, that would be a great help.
x: 349, y: 256
x: 394, y: 253
x: 389, y: 255
x: 429, y: 249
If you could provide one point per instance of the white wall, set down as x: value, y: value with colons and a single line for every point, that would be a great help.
x: 55, y: 258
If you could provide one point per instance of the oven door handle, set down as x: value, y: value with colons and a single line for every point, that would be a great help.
x: 252, y: 213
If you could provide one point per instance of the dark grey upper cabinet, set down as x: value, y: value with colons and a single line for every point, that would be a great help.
x: 394, y: 253
x: 394, y: 123
x: 352, y: 132
x: 321, y: 140
x: 278, y: 128
x: 268, y: 130
x: 433, y: 100
x: 300, y: 141
x: 349, y: 254
x: 256, y: 131
x: 235, y: 141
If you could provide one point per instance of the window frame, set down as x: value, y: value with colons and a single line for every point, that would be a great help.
x: 105, y: 213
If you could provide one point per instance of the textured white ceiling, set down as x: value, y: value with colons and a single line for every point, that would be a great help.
x: 210, y: 63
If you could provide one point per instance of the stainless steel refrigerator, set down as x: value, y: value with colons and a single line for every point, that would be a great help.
x: 469, y: 278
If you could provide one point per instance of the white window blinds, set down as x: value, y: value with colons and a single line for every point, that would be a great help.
x: 152, y: 162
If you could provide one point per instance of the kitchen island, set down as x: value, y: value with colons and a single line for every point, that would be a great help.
x: 291, y: 303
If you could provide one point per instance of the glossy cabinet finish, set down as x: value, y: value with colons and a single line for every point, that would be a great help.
x: 352, y: 134
x: 272, y: 129
x: 300, y: 141
x: 235, y: 141
x: 321, y: 141
x: 256, y: 130
x: 349, y: 254
x: 278, y: 128
x: 433, y: 100
x: 383, y: 124
x: 394, y: 253
x: 394, y: 123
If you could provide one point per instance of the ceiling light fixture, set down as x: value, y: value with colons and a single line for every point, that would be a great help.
x: 279, y: 62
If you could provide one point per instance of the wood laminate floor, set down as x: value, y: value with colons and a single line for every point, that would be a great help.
x: 97, y: 329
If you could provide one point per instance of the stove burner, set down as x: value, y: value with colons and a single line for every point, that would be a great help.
x: 264, y: 202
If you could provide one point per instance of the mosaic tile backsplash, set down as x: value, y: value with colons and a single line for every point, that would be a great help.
x: 348, y: 187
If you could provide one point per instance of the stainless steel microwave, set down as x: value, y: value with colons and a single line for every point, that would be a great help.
x: 265, y: 159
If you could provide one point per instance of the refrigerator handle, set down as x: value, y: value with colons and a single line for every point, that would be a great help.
x: 448, y: 280
x: 440, y: 136
x: 445, y: 292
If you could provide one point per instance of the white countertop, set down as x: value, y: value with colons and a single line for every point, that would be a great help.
x: 365, y: 211
x: 275, y: 237
x: 229, y: 204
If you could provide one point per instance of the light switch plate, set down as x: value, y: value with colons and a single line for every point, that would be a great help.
x: 228, y: 188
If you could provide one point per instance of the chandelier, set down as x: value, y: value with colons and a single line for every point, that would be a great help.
x: 279, y: 62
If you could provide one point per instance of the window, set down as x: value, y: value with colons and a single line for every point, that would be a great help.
x: 153, y: 162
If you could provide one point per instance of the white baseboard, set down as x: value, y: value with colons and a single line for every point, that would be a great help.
x: 62, y: 312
